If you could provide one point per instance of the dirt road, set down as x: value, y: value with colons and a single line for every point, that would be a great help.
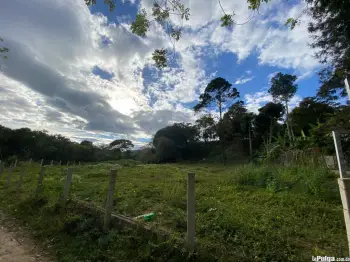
x: 15, y: 245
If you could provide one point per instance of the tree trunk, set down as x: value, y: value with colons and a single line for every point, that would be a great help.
x: 287, y: 123
x: 222, y: 134
x: 250, y: 142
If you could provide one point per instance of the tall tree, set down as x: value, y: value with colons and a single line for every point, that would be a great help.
x: 217, y: 93
x: 282, y: 89
x: 330, y: 28
x: 274, y: 111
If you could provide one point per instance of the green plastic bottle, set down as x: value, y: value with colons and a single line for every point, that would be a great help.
x: 147, y: 217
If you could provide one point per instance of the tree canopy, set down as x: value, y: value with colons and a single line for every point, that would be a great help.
x: 217, y: 92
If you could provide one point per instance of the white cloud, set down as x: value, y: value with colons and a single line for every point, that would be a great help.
x: 47, y: 80
x: 260, y: 98
x: 242, y: 80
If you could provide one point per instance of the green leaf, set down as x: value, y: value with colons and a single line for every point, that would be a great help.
x: 141, y: 24
x: 176, y: 34
x: 111, y: 3
x: 160, y: 58
x: 292, y: 22
x: 159, y: 13
x: 178, y: 6
x: 227, y: 20
x: 255, y: 4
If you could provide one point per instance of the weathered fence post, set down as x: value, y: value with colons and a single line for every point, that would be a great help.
x: 67, y: 163
x: 60, y: 162
x: 42, y: 162
x: 39, y: 186
x: 15, y: 165
x: 110, y: 197
x: 191, y: 212
x: 51, y: 164
x: 344, y: 183
x: 8, y: 182
x: 19, y: 184
x: 66, y: 187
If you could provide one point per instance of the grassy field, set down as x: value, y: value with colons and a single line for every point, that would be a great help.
x: 244, y: 213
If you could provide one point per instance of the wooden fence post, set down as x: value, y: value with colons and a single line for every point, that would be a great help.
x: 15, y: 165
x: 8, y: 182
x: 66, y: 187
x: 39, y: 186
x: 19, y: 184
x: 344, y: 183
x: 51, y: 164
x: 191, y: 212
x: 67, y: 163
x: 110, y: 197
x: 42, y: 162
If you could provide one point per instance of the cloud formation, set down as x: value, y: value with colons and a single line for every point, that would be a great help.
x: 50, y: 80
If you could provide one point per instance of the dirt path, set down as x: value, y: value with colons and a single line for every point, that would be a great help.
x: 15, y: 245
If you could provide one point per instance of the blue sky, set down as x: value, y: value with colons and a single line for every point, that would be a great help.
x: 80, y: 72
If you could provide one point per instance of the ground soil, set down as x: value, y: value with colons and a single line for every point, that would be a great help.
x: 16, y: 245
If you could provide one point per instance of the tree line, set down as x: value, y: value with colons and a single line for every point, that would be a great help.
x: 24, y: 144
x: 237, y: 133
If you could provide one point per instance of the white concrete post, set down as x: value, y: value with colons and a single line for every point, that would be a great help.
x: 347, y: 87
x: 67, y: 187
x: 42, y: 162
x: 8, y: 182
x: 191, y: 212
x: 340, y: 156
x: 39, y: 186
x: 19, y: 184
x: 60, y: 162
x: 15, y: 165
x: 110, y: 197
x: 344, y: 183
x: 51, y: 164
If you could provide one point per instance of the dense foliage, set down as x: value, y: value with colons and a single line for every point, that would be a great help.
x: 26, y: 144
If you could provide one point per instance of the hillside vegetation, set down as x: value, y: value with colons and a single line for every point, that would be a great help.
x: 244, y: 213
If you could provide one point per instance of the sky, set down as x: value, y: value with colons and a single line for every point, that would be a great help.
x: 80, y: 72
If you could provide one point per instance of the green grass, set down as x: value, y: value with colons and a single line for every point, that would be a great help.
x: 244, y: 213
